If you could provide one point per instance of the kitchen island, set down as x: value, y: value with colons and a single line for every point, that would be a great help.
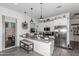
x: 42, y: 47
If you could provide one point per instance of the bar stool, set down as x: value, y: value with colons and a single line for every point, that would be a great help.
x: 27, y: 45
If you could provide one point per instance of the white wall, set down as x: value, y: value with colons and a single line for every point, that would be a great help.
x: 20, y: 19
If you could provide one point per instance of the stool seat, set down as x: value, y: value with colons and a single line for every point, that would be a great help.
x: 27, y: 42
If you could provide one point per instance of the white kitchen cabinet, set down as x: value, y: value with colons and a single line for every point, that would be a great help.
x: 50, y: 24
x: 62, y: 21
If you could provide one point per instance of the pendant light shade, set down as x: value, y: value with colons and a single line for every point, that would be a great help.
x: 31, y: 21
x: 41, y: 18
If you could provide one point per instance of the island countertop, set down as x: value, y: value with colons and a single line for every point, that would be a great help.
x: 40, y: 40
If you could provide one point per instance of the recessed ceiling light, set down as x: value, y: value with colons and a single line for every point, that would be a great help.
x: 58, y: 6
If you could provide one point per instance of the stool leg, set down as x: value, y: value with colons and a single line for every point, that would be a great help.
x: 32, y: 47
x: 27, y: 49
x: 20, y: 44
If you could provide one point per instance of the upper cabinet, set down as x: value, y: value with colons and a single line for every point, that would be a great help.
x: 60, y: 22
x: 54, y: 21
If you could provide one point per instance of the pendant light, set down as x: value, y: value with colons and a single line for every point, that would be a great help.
x: 24, y: 24
x: 31, y: 16
x: 41, y: 17
x: 25, y: 16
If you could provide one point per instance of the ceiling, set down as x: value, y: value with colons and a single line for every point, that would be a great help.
x: 49, y: 9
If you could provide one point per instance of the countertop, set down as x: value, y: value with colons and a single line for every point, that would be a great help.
x: 40, y: 40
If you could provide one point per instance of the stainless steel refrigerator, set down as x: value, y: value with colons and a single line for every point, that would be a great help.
x: 60, y: 36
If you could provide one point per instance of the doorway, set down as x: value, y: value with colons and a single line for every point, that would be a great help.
x: 10, y: 34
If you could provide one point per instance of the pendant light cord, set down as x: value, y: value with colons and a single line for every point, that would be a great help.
x: 41, y: 9
x: 41, y: 17
x: 31, y: 13
x: 25, y: 16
